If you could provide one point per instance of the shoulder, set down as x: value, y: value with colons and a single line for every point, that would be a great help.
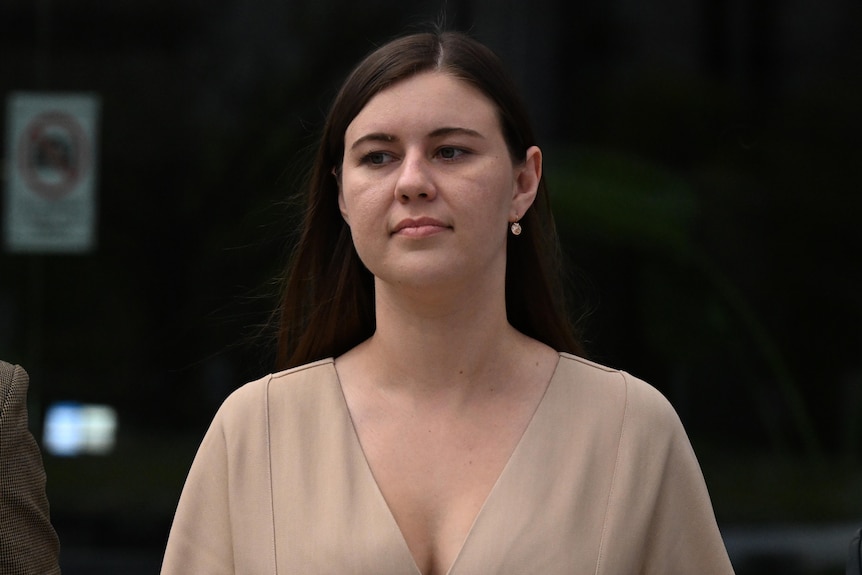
x: 292, y: 381
x: 292, y: 385
x: 642, y: 406
x: 6, y: 372
x: 13, y: 390
x: 12, y: 377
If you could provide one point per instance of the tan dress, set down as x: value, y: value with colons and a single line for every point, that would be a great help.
x: 603, y: 481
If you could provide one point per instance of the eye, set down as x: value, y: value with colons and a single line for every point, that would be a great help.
x: 376, y: 158
x: 450, y: 153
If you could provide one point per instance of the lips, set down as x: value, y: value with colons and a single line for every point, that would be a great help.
x: 419, y: 227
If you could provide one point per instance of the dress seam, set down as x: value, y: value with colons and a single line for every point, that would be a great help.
x: 269, y: 471
x: 611, y: 491
x: 300, y: 368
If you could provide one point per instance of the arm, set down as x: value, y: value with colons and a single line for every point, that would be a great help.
x: 660, y: 517
x: 28, y: 542
x: 224, y: 520
x: 200, y: 540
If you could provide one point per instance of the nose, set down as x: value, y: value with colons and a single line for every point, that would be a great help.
x: 415, y: 180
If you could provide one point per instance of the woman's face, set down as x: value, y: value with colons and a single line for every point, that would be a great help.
x: 427, y: 184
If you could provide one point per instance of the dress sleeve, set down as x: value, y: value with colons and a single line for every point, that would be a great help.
x: 200, y: 539
x: 660, y: 519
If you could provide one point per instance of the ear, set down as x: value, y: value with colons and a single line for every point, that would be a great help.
x: 528, y: 174
x: 341, y: 206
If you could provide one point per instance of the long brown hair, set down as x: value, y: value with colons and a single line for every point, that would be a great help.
x: 327, y: 304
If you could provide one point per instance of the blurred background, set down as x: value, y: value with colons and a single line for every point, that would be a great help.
x: 705, y: 164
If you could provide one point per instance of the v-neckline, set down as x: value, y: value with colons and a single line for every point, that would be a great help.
x: 369, y: 473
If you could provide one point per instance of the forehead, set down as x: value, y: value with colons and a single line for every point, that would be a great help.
x: 429, y: 100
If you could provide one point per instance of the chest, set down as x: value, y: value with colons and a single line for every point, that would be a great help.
x: 436, y: 472
x: 337, y: 509
x: 475, y: 498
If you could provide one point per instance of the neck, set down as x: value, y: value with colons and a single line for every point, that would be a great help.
x: 441, y: 342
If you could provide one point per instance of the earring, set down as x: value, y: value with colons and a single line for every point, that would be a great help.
x: 516, y: 228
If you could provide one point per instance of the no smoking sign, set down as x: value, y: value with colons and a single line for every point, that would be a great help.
x: 53, y: 154
x: 50, y: 187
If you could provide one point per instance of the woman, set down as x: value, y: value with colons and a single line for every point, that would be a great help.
x: 433, y: 418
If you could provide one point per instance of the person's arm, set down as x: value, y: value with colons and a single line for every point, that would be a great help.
x: 661, y: 520
x: 224, y: 520
x: 28, y: 542
x: 200, y: 539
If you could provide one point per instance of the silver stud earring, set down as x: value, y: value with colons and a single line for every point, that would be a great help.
x: 516, y: 229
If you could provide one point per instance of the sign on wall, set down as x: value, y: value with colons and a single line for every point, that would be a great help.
x: 51, y: 172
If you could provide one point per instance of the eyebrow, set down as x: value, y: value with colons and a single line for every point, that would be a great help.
x: 374, y: 137
x: 439, y: 132
x: 449, y: 131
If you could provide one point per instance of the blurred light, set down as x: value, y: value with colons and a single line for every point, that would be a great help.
x: 73, y: 428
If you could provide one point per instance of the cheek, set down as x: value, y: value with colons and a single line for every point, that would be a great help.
x: 365, y: 220
x: 492, y: 197
x: 358, y: 207
x: 348, y: 202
